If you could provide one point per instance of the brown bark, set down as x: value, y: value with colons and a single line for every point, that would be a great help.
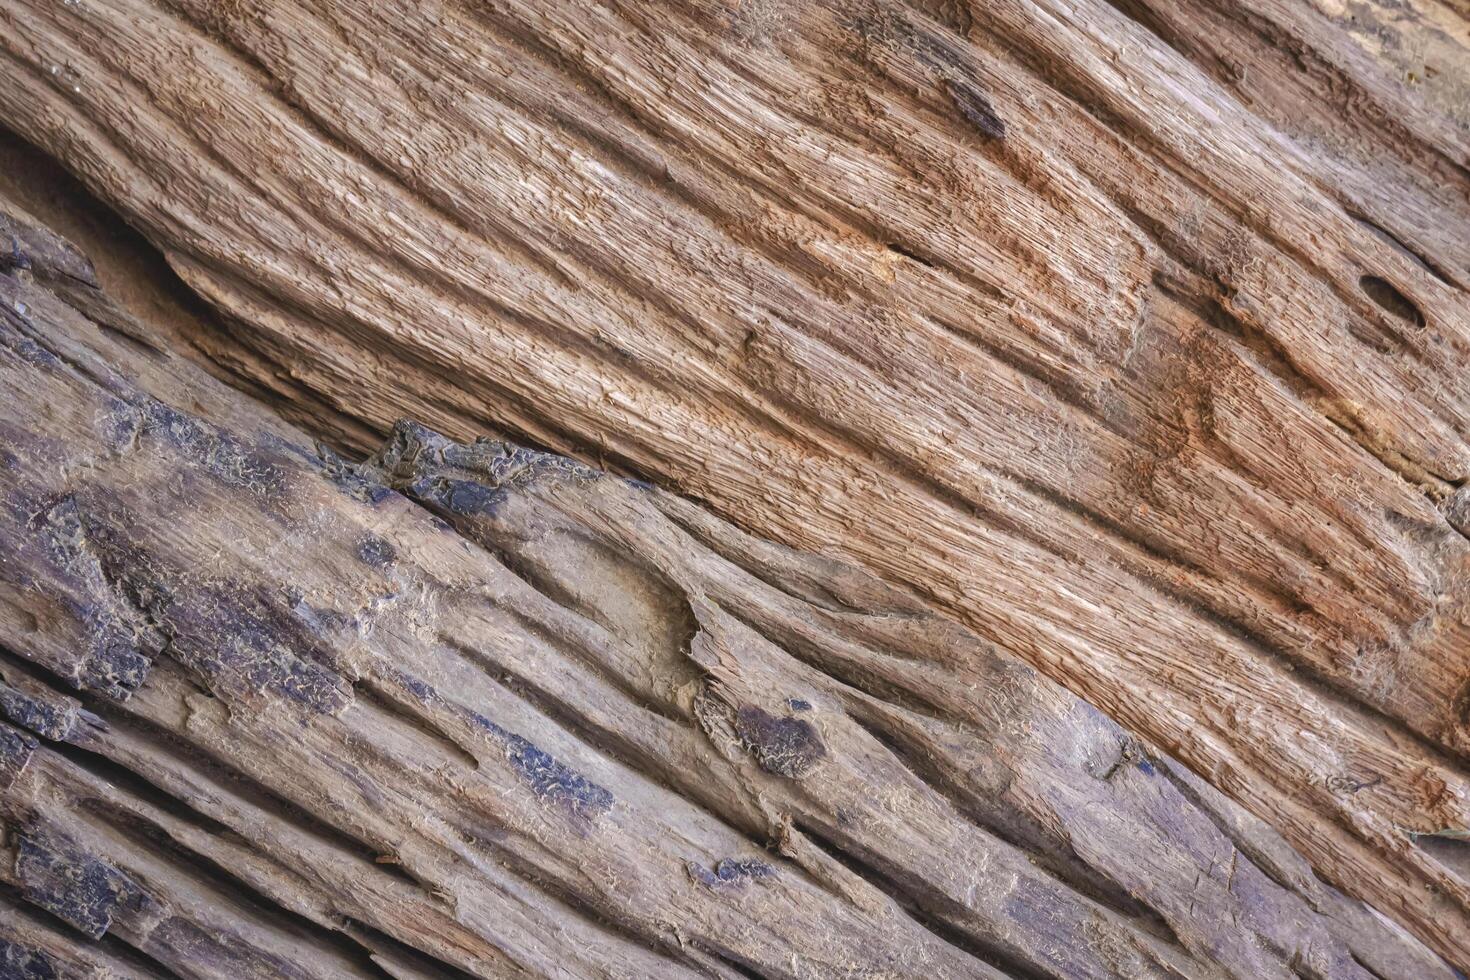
x: 264, y: 716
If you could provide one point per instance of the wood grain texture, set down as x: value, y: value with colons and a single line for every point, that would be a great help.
x: 1132, y: 336
x: 261, y: 715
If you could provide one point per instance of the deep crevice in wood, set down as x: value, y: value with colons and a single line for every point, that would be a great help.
x: 987, y: 952
x: 211, y: 875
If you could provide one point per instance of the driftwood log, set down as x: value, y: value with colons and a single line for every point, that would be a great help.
x: 1132, y: 336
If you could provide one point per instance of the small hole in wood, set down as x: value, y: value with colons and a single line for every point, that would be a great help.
x: 908, y: 253
x: 1395, y: 303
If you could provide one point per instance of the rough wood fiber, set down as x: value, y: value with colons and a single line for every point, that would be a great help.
x: 261, y: 715
x: 1133, y: 336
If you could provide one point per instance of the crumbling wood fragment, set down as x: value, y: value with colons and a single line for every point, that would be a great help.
x: 469, y: 708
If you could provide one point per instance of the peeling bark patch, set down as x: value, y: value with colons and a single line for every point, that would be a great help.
x: 976, y: 108
x: 116, y: 669
x: 24, y: 245
x: 1130, y: 753
x: 114, y: 665
x: 221, y: 455
x: 418, y: 688
x: 1391, y: 300
x: 730, y: 873
x: 52, y: 721
x: 24, y: 963
x: 376, y: 551
x: 464, y: 497
x: 300, y: 682
x: 787, y: 746
x: 557, y: 783
x: 346, y: 477
x: 219, y: 629
x: 28, y: 350
x: 506, y: 464
x: 76, y: 888
x: 465, y: 478
x: 15, y: 753
x: 552, y: 781
x: 120, y: 427
x: 226, y: 632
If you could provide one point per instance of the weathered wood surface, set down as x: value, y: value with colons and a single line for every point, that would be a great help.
x: 261, y: 715
x: 1131, y: 335
x: 1134, y: 336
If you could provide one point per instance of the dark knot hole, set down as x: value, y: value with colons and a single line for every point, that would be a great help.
x: 1392, y: 301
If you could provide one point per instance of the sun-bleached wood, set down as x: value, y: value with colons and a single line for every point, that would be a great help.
x: 1132, y: 335
x: 262, y: 715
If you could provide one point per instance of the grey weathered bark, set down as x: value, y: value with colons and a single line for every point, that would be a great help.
x: 265, y: 716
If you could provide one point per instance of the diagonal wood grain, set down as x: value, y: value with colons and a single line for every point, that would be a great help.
x: 262, y: 715
x: 1133, y: 336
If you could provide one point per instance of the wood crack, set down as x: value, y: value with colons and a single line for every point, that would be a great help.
x: 1042, y: 848
x: 1002, y: 962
